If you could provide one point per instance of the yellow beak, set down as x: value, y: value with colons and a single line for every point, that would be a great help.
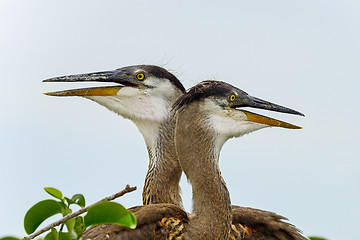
x: 94, y: 91
x: 253, y: 117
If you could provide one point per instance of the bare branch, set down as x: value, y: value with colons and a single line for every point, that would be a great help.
x: 80, y: 211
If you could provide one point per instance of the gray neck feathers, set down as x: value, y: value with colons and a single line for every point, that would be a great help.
x: 195, y: 145
x: 164, y: 172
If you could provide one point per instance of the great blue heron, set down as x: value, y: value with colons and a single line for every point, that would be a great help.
x: 145, y: 96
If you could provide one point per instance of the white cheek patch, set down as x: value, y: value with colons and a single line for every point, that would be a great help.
x: 135, y: 104
x: 160, y: 87
x: 154, y: 82
x: 147, y: 108
x: 233, y: 123
x: 128, y: 92
x: 230, y: 123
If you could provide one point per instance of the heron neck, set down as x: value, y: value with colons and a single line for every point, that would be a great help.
x: 164, y: 171
x: 195, y: 145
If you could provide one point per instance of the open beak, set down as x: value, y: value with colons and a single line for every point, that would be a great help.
x: 94, y: 91
x: 246, y: 100
x: 117, y: 76
x: 254, y: 117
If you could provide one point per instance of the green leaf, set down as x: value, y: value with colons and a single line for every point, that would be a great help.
x: 52, y: 235
x: 66, y: 211
x: 79, y: 225
x: 39, y: 213
x: 69, y: 201
x: 70, y: 224
x: 64, y: 236
x: 54, y: 192
x: 79, y: 199
x: 9, y: 238
x: 109, y: 213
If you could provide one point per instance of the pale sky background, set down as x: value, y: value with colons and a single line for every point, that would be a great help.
x: 301, y: 54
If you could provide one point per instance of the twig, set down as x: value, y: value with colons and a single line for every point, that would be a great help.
x: 80, y: 211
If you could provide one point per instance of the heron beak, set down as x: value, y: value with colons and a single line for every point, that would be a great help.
x: 117, y: 76
x: 254, y: 117
x: 95, y: 91
x: 245, y: 100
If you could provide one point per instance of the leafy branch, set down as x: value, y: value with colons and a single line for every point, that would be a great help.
x: 101, y: 212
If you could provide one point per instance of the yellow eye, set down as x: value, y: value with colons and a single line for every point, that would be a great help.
x: 140, y: 76
x: 232, y: 97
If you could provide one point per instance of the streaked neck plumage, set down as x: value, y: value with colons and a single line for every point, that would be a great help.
x: 195, y: 145
x: 164, y: 172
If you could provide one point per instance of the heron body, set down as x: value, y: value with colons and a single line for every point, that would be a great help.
x: 147, y: 102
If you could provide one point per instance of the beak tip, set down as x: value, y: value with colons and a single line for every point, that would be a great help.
x: 298, y: 113
x: 291, y: 126
x: 48, y: 80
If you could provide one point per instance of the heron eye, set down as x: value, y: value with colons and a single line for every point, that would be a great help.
x: 232, y: 97
x: 140, y: 76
